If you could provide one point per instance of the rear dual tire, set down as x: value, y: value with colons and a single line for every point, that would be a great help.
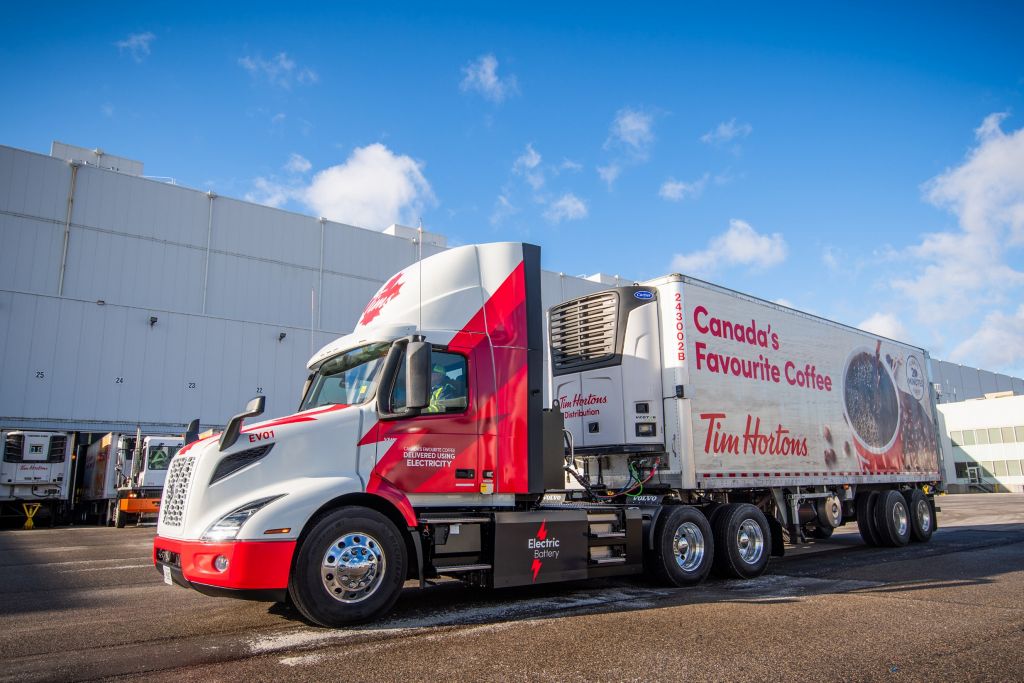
x: 893, y: 519
x: 743, y: 541
x: 922, y: 515
x: 684, y: 547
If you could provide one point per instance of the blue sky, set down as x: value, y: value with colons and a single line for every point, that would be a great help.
x: 865, y: 163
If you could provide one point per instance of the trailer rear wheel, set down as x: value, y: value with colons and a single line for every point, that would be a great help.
x: 866, y: 517
x: 120, y: 517
x: 922, y: 516
x: 892, y: 519
x: 349, y: 569
x: 743, y: 541
x: 683, y: 547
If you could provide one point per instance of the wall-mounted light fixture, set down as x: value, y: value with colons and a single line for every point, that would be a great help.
x: 281, y: 336
x: 101, y: 302
x: 152, y: 320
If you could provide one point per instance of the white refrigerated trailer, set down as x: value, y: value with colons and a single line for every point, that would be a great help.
x: 36, y: 468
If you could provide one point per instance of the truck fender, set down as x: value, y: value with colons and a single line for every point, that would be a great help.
x: 383, y: 505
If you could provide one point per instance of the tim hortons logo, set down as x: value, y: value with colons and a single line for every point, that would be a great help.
x: 542, y: 548
x: 388, y: 292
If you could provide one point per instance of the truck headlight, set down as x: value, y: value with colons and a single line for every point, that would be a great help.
x: 227, y: 527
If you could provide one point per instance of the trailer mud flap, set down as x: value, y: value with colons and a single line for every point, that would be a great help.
x: 539, y: 547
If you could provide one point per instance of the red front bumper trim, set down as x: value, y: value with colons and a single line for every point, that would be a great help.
x: 252, y: 565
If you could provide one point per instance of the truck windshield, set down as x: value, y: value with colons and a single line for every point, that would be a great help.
x: 348, y: 378
x: 160, y: 457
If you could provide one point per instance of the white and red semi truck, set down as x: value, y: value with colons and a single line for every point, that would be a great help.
x: 460, y: 430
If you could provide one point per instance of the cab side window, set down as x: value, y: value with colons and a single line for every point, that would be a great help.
x: 449, y: 391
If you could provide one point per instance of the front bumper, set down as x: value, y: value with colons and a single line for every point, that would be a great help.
x: 256, y: 569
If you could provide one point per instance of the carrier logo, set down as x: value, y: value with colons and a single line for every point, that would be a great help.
x: 542, y: 548
x: 643, y: 295
x: 388, y: 292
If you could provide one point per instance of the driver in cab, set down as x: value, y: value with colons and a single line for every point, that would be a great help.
x: 441, y: 390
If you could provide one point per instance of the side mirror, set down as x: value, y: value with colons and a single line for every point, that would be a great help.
x: 417, y: 375
x: 191, y: 432
x: 252, y: 409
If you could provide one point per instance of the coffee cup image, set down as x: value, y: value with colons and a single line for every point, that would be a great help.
x: 871, y: 404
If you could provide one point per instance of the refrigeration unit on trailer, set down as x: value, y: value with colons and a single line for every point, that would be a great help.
x: 688, y: 428
x: 124, y: 476
x: 36, y: 468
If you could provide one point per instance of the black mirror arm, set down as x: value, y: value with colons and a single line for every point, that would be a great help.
x: 234, y: 426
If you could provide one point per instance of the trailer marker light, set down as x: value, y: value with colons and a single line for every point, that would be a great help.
x: 282, y: 530
x: 220, y: 563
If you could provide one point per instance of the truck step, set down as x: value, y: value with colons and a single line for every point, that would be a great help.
x: 604, y: 561
x: 607, y: 534
x: 427, y: 519
x: 594, y: 517
x: 462, y: 568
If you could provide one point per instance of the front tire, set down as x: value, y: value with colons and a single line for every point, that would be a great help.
x: 743, y: 541
x: 349, y: 569
x: 684, y: 548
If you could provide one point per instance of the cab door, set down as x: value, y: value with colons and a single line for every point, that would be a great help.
x: 438, y: 451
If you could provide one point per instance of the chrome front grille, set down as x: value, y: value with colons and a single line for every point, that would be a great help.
x: 176, y: 488
x: 583, y: 330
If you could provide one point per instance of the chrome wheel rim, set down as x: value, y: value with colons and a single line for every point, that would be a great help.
x: 924, y: 516
x: 750, y: 541
x: 353, y: 567
x: 688, y: 546
x: 900, y: 518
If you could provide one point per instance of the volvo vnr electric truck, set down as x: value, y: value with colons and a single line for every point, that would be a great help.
x: 460, y: 430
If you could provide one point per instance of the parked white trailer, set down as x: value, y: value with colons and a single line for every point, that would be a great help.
x: 124, y: 476
x: 690, y: 428
x: 36, y: 468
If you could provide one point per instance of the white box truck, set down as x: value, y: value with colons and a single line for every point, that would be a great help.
x: 36, y: 468
x: 124, y: 476
x: 685, y: 428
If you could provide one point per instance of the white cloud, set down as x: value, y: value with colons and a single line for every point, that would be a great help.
x: 280, y: 70
x: 297, y: 164
x: 633, y: 131
x: 278, y: 118
x: 955, y: 274
x: 503, y: 208
x: 136, y: 45
x: 830, y: 257
x: 740, y: 245
x: 726, y: 131
x: 373, y: 188
x: 568, y: 207
x: 784, y: 302
x: 609, y: 174
x: 527, y: 165
x: 998, y: 343
x: 885, y: 325
x: 269, y: 192
x: 107, y: 109
x: 570, y: 165
x: 481, y: 76
x: 675, y: 190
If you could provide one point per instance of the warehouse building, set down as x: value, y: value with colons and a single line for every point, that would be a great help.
x: 984, y: 440
x: 129, y: 302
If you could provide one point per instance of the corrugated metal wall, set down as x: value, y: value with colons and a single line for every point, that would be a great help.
x: 961, y: 382
x: 223, y: 277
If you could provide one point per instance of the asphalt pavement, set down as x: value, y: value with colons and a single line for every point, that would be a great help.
x: 85, y: 603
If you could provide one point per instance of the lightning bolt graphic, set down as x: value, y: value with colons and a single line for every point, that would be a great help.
x: 542, y: 533
x: 536, y: 568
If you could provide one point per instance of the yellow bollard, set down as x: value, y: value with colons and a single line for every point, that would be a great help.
x: 30, y: 511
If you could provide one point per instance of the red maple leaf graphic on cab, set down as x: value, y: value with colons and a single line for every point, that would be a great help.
x: 388, y: 292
